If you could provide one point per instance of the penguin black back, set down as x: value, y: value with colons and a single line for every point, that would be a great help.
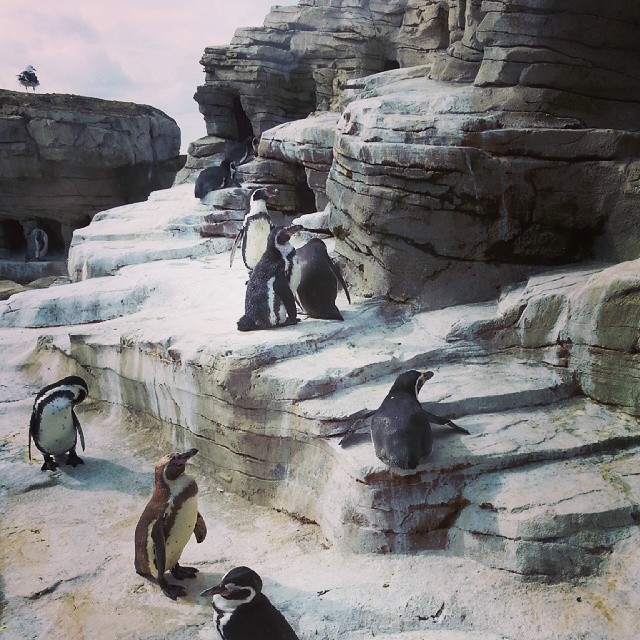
x: 319, y: 278
x: 400, y: 428
x: 214, y: 178
x: 243, y: 612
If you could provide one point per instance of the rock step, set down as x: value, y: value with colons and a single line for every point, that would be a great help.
x: 554, y: 519
x: 364, y: 349
x: 455, y: 390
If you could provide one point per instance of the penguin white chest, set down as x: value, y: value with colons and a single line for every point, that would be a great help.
x: 57, y: 432
x: 184, y: 514
x: 256, y: 244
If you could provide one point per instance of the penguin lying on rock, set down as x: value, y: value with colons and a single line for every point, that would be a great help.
x: 167, y: 522
x: 214, y: 178
x: 54, y: 425
x: 243, y: 612
x: 269, y: 300
x: 401, y: 428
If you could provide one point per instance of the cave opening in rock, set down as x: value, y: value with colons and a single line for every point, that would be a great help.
x: 12, y: 237
x: 53, y: 228
x: 305, y: 198
x: 390, y: 64
x: 244, y: 127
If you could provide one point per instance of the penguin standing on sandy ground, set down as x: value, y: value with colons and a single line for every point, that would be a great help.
x: 28, y: 78
x: 243, y: 612
x: 167, y: 522
x: 319, y: 278
x: 37, y: 245
x: 255, y: 230
x: 269, y: 300
x: 401, y: 428
x: 54, y: 425
x: 213, y: 178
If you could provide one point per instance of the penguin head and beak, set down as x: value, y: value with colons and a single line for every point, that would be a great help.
x: 172, y: 465
x: 411, y: 381
x: 239, y: 586
x: 77, y: 385
x: 263, y: 193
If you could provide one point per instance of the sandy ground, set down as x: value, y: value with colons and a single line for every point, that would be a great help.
x: 66, y: 556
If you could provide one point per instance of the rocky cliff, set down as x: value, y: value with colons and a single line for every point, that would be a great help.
x: 514, y: 143
x: 64, y: 157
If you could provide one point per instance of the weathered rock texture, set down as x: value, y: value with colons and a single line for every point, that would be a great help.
x: 514, y: 144
x: 544, y: 379
x: 64, y: 157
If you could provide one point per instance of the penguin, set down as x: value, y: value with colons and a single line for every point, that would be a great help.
x: 269, y: 300
x: 243, y: 612
x: 255, y: 229
x: 37, y: 245
x: 217, y: 177
x: 244, y: 151
x: 54, y: 426
x: 167, y: 522
x: 28, y: 78
x: 319, y: 278
x: 401, y: 428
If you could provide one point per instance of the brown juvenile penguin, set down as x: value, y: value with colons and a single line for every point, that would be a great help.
x: 167, y: 522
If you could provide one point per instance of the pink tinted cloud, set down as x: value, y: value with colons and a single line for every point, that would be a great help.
x: 146, y: 51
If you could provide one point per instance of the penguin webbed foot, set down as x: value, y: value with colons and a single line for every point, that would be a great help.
x: 49, y: 464
x: 74, y: 459
x: 183, y: 573
x: 172, y: 591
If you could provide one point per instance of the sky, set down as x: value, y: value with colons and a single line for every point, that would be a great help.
x: 144, y: 51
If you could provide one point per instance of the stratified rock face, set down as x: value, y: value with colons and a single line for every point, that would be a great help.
x: 514, y: 144
x: 65, y: 157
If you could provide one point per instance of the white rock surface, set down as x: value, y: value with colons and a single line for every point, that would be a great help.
x: 544, y: 486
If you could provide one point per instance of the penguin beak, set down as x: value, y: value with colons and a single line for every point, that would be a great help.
x: 181, y: 458
x: 294, y: 228
x: 426, y: 375
x: 218, y: 589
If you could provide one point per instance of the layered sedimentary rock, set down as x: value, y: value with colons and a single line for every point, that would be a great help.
x: 513, y: 144
x: 64, y: 157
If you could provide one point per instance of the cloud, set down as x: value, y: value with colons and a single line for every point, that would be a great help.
x: 146, y: 51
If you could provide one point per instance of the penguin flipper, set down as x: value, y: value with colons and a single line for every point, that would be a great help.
x: 434, y: 419
x: 31, y: 425
x: 358, y: 427
x: 157, y: 536
x: 200, y: 530
x: 236, y: 244
x: 283, y: 291
x: 76, y: 424
x: 336, y: 269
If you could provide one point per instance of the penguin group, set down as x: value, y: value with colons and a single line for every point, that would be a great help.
x: 281, y: 279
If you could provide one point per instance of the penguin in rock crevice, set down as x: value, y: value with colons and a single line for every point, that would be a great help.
x: 54, y: 426
x: 256, y: 227
x: 243, y: 612
x: 269, y: 299
x: 37, y: 245
x: 167, y: 523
